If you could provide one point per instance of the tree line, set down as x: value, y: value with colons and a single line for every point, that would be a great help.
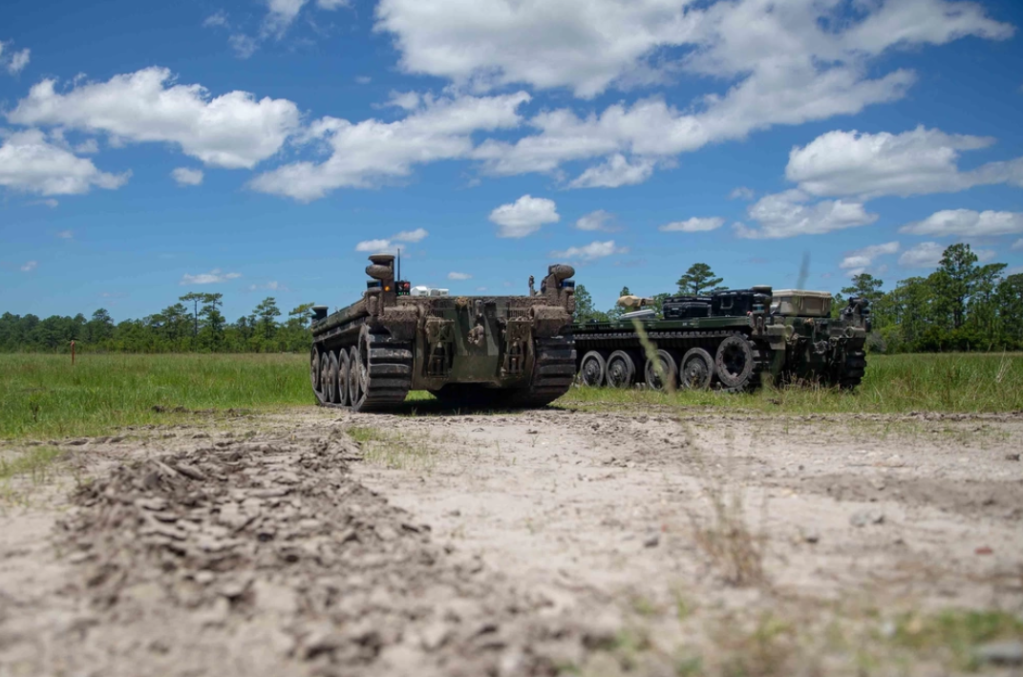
x: 962, y: 306
x: 194, y: 324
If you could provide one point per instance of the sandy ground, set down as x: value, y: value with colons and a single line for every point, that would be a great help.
x: 610, y: 542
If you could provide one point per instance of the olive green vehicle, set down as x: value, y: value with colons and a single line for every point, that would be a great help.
x: 506, y: 351
x: 729, y: 340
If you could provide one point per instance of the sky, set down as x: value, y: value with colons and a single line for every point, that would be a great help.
x: 265, y: 147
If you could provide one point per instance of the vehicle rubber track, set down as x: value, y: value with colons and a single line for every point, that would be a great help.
x: 390, y: 373
x: 387, y: 379
x: 553, y: 374
x: 851, y: 372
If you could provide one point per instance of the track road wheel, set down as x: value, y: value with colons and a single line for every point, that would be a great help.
x: 735, y: 363
x: 331, y: 391
x: 384, y: 369
x: 621, y: 370
x: 344, y: 360
x: 314, y: 371
x: 664, y: 378
x: 593, y: 369
x: 697, y: 370
x: 325, y: 377
x: 356, y: 378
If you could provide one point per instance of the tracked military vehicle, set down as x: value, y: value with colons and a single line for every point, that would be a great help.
x: 506, y: 351
x: 728, y: 339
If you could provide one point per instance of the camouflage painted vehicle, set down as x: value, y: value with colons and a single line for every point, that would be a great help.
x: 819, y: 348
x: 508, y: 351
x: 728, y: 340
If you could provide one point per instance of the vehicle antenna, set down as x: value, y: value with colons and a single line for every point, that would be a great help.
x: 399, y: 263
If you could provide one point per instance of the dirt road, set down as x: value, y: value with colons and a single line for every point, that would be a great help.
x: 321, y: 542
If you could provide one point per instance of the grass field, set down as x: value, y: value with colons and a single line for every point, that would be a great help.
x: 42, y: 396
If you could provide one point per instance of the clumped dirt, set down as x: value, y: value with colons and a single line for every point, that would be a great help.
x: 266, y: 557
x: 678, y: 543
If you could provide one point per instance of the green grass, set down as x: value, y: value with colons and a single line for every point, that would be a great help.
x: 33, y: 462
x: 951, y: 382
x: 42, y: 396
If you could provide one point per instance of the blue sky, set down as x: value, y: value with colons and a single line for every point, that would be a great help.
x: 263, y: 147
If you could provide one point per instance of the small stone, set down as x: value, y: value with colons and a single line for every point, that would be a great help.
x: 190, y: 471
x: 865, y: 517
x: 1012, y: 457
x: 652, y: 541
x: 1001, y: 653
x: 812, y: 536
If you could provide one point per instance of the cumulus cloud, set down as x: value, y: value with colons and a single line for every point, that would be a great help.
x: 187, y: 177
x: 525, y: 216
x: 923, y: 255
x: 693, y: 225
x: 859, y: 261
x: 967, y: 223
x: 793, y: 213
x: 916, y: 162
x: 216, y: 20
x: 594, y: 250
x: 596, y: 220
x: 29, y: 266
x: 614, y: 172
x: 742, y: 193
x: 786, y: 63
x: 373, y: 245
x: 367, y: 153
x: 459, y: 276
x: 215, y: 276
x: 232, y: 130
x: 13, y: 62
x: 391, y: 243
x: 29, y: 163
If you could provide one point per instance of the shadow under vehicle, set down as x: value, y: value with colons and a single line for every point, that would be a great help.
x: 483, y: 351
x: 728, y: 339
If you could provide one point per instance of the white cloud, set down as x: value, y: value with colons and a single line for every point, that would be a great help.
x: 742, y: 193
x: 1018, y: 244
x: 481, y: 288
x: 87, y: 147
x: 215, y: 276
x: 525, y: 216
x: 784, y: 63
x: 187, y: 177
x: 859, y: 261
x: 391, y: 244
x: 66, y: 234
x: 363, y: 79
x: 373, y: 246
x: 788, y: 214
x: 693, y: 225
x: 416, y: 235
x: 233, y: 130
x: 968, y: 223
x: 459, y: 276
x: 367, y: 153
x: 614, y: 172
x: 594, y: 250
x: 917, y: 162
x: 16, y: 62
x: 243, y: 45
x: 923, y: 255
x: 217, y: 19
x: 280, y: 15
x: 48, y: 202
x: 29, y: 163
x: 272, y: 285
x: 29, y: 266
x: 596, y: 220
